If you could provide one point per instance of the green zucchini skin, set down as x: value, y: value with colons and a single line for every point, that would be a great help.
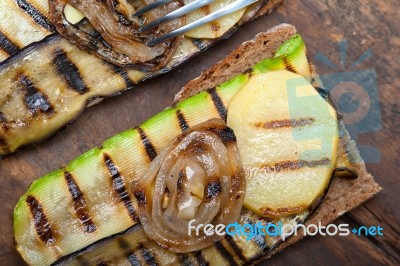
x: 132, y: 246
x: 47, y: 82
x: 90, y: 199
x: 22, y: 22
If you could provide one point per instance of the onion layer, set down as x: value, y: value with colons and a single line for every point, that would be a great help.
x: 120, y: 41
x: 198, y: 176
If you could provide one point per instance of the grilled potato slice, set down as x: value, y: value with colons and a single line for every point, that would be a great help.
x: 216, y: 28
x: 287, y: 135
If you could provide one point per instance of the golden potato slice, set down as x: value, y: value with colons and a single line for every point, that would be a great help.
x: 216, y: 28
x: 287, y: 136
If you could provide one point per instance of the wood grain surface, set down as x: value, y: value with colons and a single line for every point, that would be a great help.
x: 364, y: 24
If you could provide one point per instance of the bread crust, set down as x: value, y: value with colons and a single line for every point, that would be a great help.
x: 343, y: 194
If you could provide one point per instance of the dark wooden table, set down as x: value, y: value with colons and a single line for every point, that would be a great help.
x: 323, y: 24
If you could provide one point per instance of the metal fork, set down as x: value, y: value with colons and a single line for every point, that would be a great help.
x: 238, y: 4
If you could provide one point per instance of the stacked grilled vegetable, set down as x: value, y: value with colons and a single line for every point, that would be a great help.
x: 89, y: 211
x: 46, y: 82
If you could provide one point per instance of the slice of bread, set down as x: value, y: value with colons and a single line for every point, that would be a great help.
x: 343, y: 194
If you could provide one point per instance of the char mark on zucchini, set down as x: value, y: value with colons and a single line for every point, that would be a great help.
x: 80, y: 204
x: 147, y: 145
x: 219, y: 105
x: 225, y: 253
x: 42, y: 225
x: 69, y: 71
x: 185, y: 260
x: 118, y: 185
x: 123, y: 244
x: 121, y: 41
x: 7, y: 45
x: 182, y: 121
x: 258, y: 239
x: 200, y: 44
x: 238, y: 251
x: 133, y: 259
x: 226, y: 134
x: 288, y: 65
x: 34, y: 99
x: 147, y: 255
x: 36, y: 16
x: 200, y: 258
x: 129, y: 83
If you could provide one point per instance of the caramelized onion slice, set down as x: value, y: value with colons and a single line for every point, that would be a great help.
x: 120, y: 41
x: 198, y: 176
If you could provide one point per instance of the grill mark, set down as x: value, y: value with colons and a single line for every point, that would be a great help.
x: 238, y: 251
x: 219, y: 105
x: 258, y: 239
x: 226, y: 134
x: 129, y: 83
x: 123, y: 244
x: 276, y: 124
x: 34, y: 99
x: 4, y: 146
x: 8, y: 45
x: 67, y: 69
x: 182, y: 121
x: 289, y: 65
x: 133, y: 259
x: 35, y: 15
x: 147, y: 255
x: 42, y: 225
x: 185, y: 260
x: 118, y: 184
x: 295, y: 165
x: 130, y: 255
x: 80, y: 204
x: 282, y: 211
x: 225, y: 253
x: 147, y: 145
x: 87, y: 249
x: 200, y: 258
x: 200, y: 44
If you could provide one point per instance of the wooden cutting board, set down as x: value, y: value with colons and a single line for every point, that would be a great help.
x: 364, y: 24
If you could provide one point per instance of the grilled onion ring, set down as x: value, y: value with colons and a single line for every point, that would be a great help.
x: 120, y: 41
x: 198, y: 176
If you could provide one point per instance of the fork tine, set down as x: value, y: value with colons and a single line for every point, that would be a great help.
x: 151, y: 7
x: 239, y: 4
x: 176, y: 14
